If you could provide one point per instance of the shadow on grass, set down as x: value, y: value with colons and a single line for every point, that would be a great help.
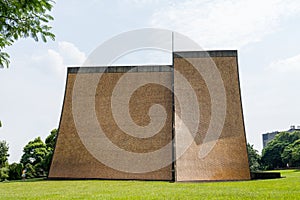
x: 259, y: 175
x: 26, y: 180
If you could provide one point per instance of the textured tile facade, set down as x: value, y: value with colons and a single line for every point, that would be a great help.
x: 101, y: 101
x: 228, y: 158
x: 71, y: 157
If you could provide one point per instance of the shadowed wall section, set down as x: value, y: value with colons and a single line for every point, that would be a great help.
x: 221, y: 155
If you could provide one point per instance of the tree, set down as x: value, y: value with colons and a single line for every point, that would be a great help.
x: 291, y: 154
x: 50, y: 143
x: 37, y: 155
x: 271, y: 155
x: 286, y: 155
x: 296, y: 155
x: 34, y: 154
x: 281, y: 150
x: 15, y: 171
x: 4, y: 173
x: 3, y: 160
x: 23, y: 19
x: 51, y: 139
x: 254, y: 158
x: 3, y: 153
x: 30, y: 171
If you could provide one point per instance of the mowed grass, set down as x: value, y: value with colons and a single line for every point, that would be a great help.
x: 284, y: 188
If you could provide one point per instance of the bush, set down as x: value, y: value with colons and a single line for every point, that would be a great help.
x: 4, y: 173
x: 254, y: 159
x: 15, y: 171
x: 30, y: 171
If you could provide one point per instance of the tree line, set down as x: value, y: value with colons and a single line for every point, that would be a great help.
x: 281, y: 152
x: 25, y: 19
x: 35, y: 161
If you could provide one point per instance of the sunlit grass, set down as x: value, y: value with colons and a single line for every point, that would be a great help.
x: 284, y: 188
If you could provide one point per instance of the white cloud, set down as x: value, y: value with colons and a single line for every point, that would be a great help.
x: 270, y: 97
x: 34, y: 94
x: 225, y: 23
x: 71, y: 54
x: 57, y: 60
x: 291, y: 64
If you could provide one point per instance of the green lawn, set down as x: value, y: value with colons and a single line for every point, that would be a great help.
x: 284, y: 188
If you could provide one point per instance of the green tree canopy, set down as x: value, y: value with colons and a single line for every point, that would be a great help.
x: 3, y: 160
x: 291, y: 154
x: 15, y: 171
x: 3, y: 153
x: 50, y: 143
x: 23, y: 19
x: 4, y: 173
x: 282, y: 150
x: 37, y: 155
x: 254, y: 158
x: 34, y: 154
x: 51, y: 139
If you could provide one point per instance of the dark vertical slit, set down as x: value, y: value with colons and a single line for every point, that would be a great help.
x: 173, y: 117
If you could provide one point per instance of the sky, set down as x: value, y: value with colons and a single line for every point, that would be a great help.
x: 265, y: 33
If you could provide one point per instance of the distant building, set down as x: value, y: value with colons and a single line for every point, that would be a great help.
x: 267, y: 137
x: 294, y: 128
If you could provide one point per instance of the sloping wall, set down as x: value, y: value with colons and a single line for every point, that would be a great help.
x: 218, y: 150
x: 112, y: 127
x: 80, y: 151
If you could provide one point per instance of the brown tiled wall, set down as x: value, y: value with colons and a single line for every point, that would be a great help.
x: 228, y: 158
x: 72, y: 159
x: 226, y: 161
